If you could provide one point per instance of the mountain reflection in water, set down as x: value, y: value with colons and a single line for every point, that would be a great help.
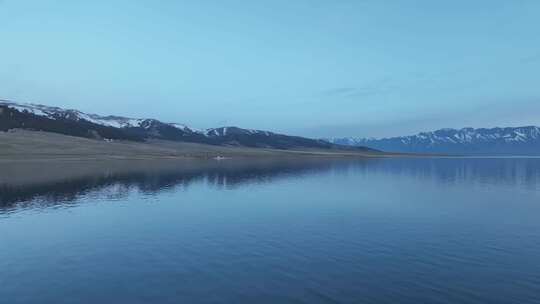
x: 64, y: 183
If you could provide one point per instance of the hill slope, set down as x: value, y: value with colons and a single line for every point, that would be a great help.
x: 76, y: 123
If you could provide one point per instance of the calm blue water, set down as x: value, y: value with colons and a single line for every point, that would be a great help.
x: 380, y: 231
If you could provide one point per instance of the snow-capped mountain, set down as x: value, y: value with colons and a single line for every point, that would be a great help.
x: 76, y: 123
x: 107, y: 121
x: 518, y: 140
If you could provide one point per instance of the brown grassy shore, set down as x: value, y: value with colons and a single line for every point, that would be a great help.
x: 22, y: 145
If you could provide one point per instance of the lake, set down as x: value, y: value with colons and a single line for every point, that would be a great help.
x: 318, y: 231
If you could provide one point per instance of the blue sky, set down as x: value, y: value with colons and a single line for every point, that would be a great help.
x: 314, y: 68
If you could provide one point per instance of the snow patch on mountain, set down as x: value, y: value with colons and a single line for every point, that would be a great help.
x: 227, y: 131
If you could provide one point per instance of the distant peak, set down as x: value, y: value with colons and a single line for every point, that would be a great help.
x: 524, y: 140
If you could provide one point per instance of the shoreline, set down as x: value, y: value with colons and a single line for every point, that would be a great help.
x: 24, y: 145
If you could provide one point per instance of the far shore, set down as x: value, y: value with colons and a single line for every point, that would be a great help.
x: 24, y: 146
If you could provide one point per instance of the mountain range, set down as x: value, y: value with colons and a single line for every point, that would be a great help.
x: 466, y: 141
x: 109, y: 128
x: 470, y: 141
